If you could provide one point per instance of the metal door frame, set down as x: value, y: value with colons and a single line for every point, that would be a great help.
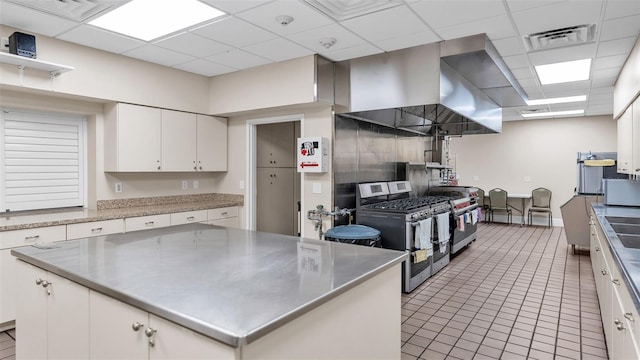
x: 251, y: 162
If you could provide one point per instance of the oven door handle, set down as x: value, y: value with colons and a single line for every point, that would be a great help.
x: 465, y: 209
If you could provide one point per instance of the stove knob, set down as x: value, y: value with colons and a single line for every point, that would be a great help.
x: 413, y: 216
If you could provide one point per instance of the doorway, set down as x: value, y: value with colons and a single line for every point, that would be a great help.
x: 274, y: 179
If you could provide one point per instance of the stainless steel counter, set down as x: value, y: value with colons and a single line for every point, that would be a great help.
x: 628, y: 259
x: 229, y: 284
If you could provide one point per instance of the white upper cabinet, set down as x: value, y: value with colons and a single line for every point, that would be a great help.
x: 625, y: 132
x: 178, y: 141
x: 133, y: 138
x: 145, y: 139
x: 211, y: 143
x: 627, y: 86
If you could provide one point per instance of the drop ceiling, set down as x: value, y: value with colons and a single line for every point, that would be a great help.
x: 250, y: 36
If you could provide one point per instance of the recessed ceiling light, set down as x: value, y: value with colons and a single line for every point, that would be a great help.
x: 150, y: 19
x: 558, y: 100
x: 553, y: 113
x: 564, y: 71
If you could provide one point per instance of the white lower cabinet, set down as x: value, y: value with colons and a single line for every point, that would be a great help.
x: 619, y: 314
x: 188, y: 217
x: 95, y: 228
x: 224, y: 216
x: 51, y: 311
x: 119, y: 330
x: 147, y: 222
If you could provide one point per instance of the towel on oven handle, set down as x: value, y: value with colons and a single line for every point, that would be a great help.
x: 442, y: 220
x: 423, y: 235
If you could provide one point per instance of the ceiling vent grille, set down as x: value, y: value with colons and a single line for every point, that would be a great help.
x: 573, y: 35
x: 76, y: 10
x: 347, y: 9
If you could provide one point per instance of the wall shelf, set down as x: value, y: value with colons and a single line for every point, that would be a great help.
x: 28, y: 63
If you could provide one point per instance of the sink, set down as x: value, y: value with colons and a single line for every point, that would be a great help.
x: 626, y: 229
x: 623, y: 220
x: 630, y: 241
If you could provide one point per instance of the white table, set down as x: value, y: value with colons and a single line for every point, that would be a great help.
x: 523, y: 198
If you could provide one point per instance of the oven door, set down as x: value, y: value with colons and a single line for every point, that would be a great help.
x: 414, y: 273
x: 463, y: 232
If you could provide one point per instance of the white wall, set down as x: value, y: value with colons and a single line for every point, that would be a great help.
x: 544, y: 150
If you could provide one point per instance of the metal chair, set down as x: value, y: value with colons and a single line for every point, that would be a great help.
x: 483, y: 201
x: 498, y: 203
x: 540, y: 203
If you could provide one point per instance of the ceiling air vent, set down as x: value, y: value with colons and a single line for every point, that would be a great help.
x: 347, y: 9
x: 573, y: 35
x: 76, y: 10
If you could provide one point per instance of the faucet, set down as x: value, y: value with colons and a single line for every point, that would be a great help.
x: 317, y: 214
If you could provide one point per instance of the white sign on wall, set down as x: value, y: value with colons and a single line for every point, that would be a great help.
x: 313, y: 154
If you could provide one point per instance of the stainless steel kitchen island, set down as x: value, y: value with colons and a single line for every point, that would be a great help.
x: 238, y: 294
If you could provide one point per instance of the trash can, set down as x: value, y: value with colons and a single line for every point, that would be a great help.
x: 354, y: 234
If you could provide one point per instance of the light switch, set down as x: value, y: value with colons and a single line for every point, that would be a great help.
x: 185, y: 184
x: 196, y: 184
x: 241, y: 184
x: 317, y: 188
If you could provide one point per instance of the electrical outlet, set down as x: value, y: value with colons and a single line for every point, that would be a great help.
x: 118, y: 187
x: 4, y: 44
x: 241, y: 184
x: 196, y: 184
x: 185, y: 184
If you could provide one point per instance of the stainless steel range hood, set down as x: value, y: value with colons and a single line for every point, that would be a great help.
x: 456, y: 87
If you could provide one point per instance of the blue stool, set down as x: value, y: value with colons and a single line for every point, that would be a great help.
x: 354, y: 234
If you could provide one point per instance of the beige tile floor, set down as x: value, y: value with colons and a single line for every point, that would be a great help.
x: 515, y: 293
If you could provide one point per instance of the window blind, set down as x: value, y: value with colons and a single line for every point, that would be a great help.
x: 42, y: 161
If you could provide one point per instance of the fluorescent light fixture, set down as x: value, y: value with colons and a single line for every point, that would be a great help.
x: 564, y: 72
x: 150, y: 19
x: 558, y: 100
x: 553, y: 113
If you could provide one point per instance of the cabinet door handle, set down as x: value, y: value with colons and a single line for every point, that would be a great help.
x: 38, y: 281
x: 96, y: 230
x: 200, y: 167
x: 190, y: 218
x: 45, y: 283
x: 603, y: 271
x: 195, y: 168
x: 619, y: 325
x: 597, y: 248
x: 629, y: 316
x: 150, y: 331
x: 224, y: 213
x: 136, y: 326
x: 158, y: 167
x: 616, y: 281
x: 34, y: 237
x: 149, y: 223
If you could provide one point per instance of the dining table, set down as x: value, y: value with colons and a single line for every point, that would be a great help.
x: 524, y: 198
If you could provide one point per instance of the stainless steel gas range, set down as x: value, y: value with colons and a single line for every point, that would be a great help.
x: 388, y: 208
x: 464, y: 211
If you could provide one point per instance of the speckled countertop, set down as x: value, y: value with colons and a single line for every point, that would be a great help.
x: 118, y: 209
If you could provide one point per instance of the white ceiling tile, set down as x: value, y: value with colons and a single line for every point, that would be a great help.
x: 387, y: 24
x: 351, y: 53
x: 407, y: 41
x: 91, y: 36
x: 606, y: 73
x: 599, y: 110
x: 516, y: 61
x: 29, y: 20
x: 616, y: 47
x: 311, y: 38
x: 234, y: 32
x: 530, y: 82
x: 607, y: 62
x: 601, y: 99
x: 238, y: 59
x: 568, y: 106
x: 603, y: 82
x: 569, y: 53
x: 621, y: 8
x: 496, y: 28
x: 443, y: 13
x: 601, y: 90
x: 520, y: 5
x: 509, y: 46
x: 204, y: 67
x: 620, y: 27
x: 305, y: 17
x: 534, y: 92
x: 159, y: 55
x: 557, y: 16
x: 192, y: 44
x: 278, y: 50
x: 523, y: 73
x: 234, y: 6
x: 574, y: 87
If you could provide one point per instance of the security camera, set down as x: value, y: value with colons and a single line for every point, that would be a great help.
x: 284, y: 20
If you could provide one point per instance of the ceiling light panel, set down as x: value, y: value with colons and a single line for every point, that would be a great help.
x: 552, y: 113
x: 558, y: 100
x: 564, y: 72
x: 151, y: 19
